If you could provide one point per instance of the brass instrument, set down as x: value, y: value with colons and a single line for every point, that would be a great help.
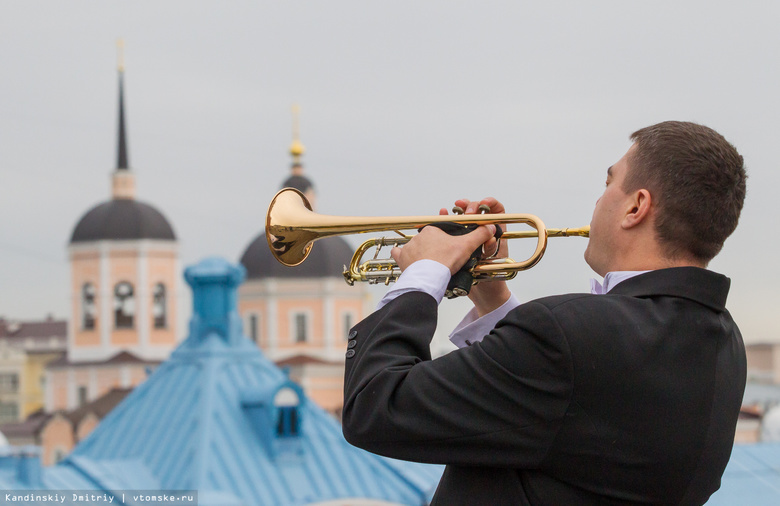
x: 291, y: 228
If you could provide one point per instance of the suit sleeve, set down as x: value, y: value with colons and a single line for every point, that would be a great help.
x: 497, y: 403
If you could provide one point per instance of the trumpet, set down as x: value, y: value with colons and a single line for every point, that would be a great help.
x: 291, y: 228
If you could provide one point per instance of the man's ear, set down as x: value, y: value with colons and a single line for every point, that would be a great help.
x: 639, y: 209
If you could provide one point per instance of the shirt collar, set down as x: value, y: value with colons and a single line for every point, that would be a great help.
x: 611, y: 280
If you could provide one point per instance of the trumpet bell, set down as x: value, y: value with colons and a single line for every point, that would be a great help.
x: 290, y: 244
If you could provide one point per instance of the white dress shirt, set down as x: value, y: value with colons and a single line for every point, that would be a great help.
x: 431, y: 277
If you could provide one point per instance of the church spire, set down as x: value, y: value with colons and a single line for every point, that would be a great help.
x: 297, y: 180
x: 122, y: 163
x: 123, y: 181
x: 296, y: 148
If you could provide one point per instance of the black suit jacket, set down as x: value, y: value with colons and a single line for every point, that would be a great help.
x: 626, y: 398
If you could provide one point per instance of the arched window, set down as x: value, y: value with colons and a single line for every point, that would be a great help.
x: 160, y: 306
x: 300, y: 327
x: 124, y: 305
x: 287, y: 401
x: 254, y: 327
x: 88, y: 309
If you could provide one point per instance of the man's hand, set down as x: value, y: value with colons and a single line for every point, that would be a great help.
x: 435, y: 244
x: 488, y: 295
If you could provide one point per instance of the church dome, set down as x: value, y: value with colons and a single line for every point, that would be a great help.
x: 327, y: 259
x: 122, y: 219
x: 300, y: 183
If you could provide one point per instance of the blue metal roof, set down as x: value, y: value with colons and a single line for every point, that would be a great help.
x: 205, y: 421
x: 752, y: 476
x: 207, y: 418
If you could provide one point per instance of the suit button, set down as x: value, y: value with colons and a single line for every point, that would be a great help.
x: 353, y: 334
x: 350, y: 353
x: 351, y: 344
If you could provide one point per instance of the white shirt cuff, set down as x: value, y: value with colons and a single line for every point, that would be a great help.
x: 428, y: 276
x: 472, y: 329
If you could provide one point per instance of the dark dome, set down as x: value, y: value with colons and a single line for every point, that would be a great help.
x: 122, y: 219
x: 327, y: 259
x: 300, y: 183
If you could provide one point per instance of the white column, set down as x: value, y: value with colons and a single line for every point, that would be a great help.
x: 124, y: 377
x: 72, y: 400
x: 143, y: 323
x: 178, y: 300
x: 106, y: 300
x: 75, y: 319
x: 92, y: 389
x: 49, y: 392
x: 329, y: 317
x: 272, y: 323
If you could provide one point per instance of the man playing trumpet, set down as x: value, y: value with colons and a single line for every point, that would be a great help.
x: 627, y: 395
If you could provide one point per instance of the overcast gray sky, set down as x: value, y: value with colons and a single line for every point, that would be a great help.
x: 405, y: 106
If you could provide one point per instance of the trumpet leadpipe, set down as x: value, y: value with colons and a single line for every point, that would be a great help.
x: 551, y: 232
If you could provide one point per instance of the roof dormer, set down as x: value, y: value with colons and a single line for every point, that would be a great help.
x: 275, y: 416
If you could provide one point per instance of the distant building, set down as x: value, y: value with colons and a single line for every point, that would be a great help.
x: 56, y: 434
x: 758, y: 419
x: 300, y: 317
x: 763, y: 362
x: 124, y: 264
x: 220, y: 419
x: 25, y: 350
x: 756, y: 423
x: 12, y: 369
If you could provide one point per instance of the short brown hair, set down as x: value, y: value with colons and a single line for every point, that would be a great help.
x: 697, y: 180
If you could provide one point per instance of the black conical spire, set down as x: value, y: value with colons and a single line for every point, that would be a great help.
x: 121, y: 163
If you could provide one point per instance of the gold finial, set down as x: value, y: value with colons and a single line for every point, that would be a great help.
x: 296, y: 148
x: 120, y: 54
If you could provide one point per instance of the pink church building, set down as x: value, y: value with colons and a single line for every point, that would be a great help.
x: 300, y: 317
x: 124, y: 277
